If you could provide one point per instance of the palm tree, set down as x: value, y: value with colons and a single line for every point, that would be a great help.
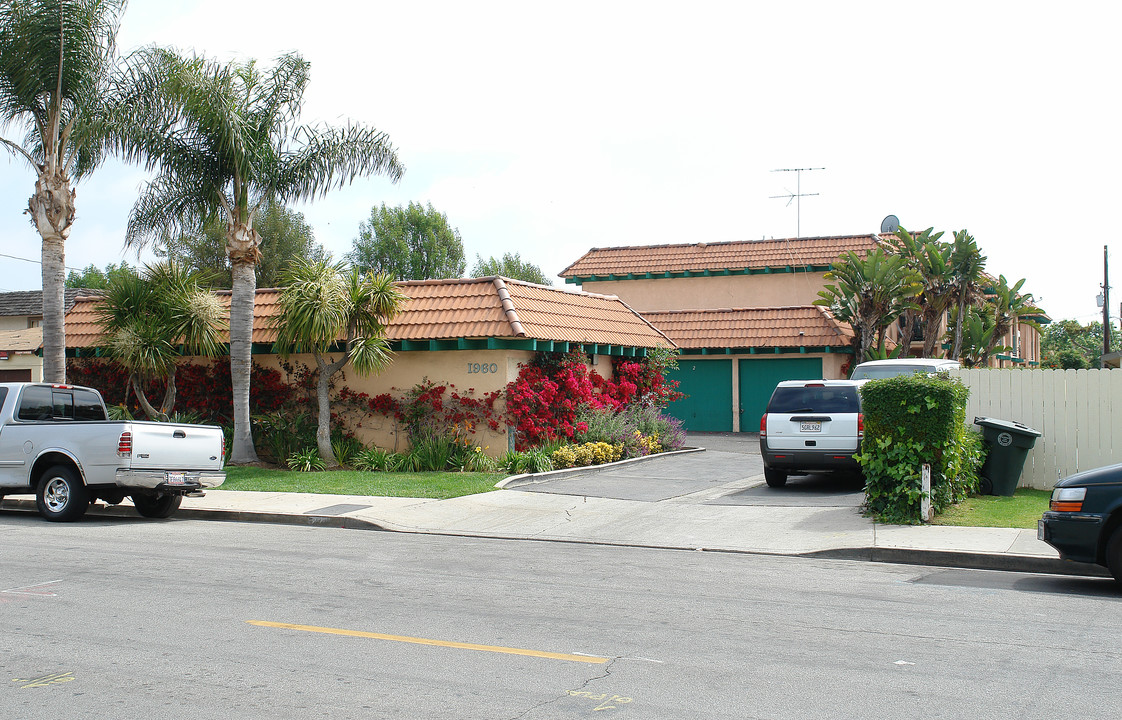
x: 1011, y: 307
x: 226, y: 142
x: 870, y: 294
x: 324, y: 305
x: 152, y: 319
x: 967, y: 265
x: 931, y: 259
x: 55, y: 58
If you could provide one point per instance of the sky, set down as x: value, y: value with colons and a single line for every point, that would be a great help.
x: 548, y: 129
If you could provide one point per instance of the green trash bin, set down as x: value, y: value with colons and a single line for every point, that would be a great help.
x: 1009, y: 444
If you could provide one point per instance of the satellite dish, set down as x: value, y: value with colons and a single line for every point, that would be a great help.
x: 890, y: 224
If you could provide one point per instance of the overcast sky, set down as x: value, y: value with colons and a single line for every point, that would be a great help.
x: 548, y: 129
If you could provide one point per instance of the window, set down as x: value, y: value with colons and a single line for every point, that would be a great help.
x: 35, y: 403
x: 40, y: 402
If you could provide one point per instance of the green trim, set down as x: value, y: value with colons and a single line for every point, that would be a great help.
x: 528, y: 344
x: 803, y: 350
x: 581, y: 279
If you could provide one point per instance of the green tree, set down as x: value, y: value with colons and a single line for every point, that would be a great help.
x: 930, y: 258
x: 967, y: 268
x: 1011, y: 307
x: 326, y: 308
x: 226, y: 141
x: 511, y: 266
x: 1067, y: 344
x: 55, y: 59
x: 978, y: 335
x: 408, y: 243
x: 153, y: 318
x: 285, y: 236
x: 93, y: 278
x: 870, y: 294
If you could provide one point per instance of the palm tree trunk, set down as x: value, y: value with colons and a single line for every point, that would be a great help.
x: 242, y: 297
x: 956, y: 351
x: 138, y: 389
x: 52, y: 210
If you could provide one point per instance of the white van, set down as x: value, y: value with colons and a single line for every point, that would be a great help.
x: 879, y: 369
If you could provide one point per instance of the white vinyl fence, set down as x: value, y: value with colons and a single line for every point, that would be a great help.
x: 1071, y: 407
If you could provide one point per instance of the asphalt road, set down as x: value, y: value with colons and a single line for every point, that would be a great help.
x: 128, y: 618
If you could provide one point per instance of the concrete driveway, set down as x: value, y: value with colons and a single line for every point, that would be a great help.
x: 729, y: 472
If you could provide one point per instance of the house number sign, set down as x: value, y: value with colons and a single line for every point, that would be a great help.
x: 483, y: 368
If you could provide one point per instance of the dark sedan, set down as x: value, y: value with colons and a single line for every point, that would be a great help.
x: 1084, y: 518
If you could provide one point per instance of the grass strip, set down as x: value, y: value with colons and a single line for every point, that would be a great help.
x: 434, y: 485
x: 1022, y: 510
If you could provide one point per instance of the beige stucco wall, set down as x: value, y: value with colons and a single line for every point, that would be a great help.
x: 21, y: 361
x: 13, y: 322
x: 733, y: 291
x: 482, y: 371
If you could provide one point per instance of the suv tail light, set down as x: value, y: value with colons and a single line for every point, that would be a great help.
x: 763, y: 425
x: 860, y: 426
x: 124, y: 445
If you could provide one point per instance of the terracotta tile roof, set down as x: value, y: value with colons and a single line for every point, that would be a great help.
x: 28, y: 340
x: 699, y: 257
x: 463, y: 308
x: 753, y: 327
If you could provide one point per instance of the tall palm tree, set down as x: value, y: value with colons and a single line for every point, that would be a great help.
x: 930, y: 257
x: 55, y: 59
x: 152, y: 319
x: 1011, y: 307
x: 967, y: 266
x: 870, y: 293
x: 225, y: 140
x: 325, y: 307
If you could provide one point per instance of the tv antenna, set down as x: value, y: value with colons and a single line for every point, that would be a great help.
x: 797, y: 195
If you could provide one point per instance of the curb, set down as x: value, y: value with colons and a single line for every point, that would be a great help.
x: 534, y: 478
x: 964, y: 560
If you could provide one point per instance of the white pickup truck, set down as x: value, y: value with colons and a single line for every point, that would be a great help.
x: 57, y: 443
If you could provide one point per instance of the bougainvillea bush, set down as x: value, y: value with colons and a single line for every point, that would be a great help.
x: 556, y: 396
x: 202, y: 390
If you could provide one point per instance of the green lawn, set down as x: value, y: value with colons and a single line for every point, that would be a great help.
x: 1020, y: 511
x: 436, y: 485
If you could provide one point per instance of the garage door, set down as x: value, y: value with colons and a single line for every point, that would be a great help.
x: 15, y: 375
x: 707, y: 384
x: 758, y: 379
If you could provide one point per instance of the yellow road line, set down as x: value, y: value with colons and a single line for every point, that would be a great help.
x: 428, y: 641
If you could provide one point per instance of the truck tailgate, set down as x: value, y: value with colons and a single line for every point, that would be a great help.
x: 171, y: 446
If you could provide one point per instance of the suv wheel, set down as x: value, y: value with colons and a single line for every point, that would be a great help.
x: 775, y: 478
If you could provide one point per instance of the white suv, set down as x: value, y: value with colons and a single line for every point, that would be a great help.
x: 878, y: 369
x: 811, y: 426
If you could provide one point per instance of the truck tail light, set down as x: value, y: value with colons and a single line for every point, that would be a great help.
x: 1067, y: 499
x: 124, y: 445
x: 223, y: 448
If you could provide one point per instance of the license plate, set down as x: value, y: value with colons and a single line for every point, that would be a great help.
x: 175, y: 478
x: 810, y: 426
x: 1040, y: 529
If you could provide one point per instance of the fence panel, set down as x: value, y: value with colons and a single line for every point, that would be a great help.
x: 1072, y: 408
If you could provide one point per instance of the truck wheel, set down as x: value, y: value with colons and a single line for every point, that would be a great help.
x: 1114, y: 555
x: 157, y: 506
x: 61, y: 496
x: 775, y: 478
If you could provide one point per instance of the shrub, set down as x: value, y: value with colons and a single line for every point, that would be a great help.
x: 345, y: 447
x: 306, y: 460
x: 591, y: 453
x: 372, y: 459
x: 517, y: 462
x: 912, y: 420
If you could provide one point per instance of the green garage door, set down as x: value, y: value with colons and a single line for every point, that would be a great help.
x: 758, y: 378
x: 707, y: 384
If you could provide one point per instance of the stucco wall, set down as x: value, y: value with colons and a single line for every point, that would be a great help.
x: 22, y: 361
x: 13, y: 322
x: 482, y: 371
x: 733, y: 291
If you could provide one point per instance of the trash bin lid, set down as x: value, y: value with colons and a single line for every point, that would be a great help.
x: 1008, y: 426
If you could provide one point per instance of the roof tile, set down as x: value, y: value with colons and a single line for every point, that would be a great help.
x: 753, y: 327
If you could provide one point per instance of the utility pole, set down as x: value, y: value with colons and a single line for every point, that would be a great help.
x: 797, y: 195
x: 1106, y: 311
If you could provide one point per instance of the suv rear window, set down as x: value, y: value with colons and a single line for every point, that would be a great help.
x: 815, y: 399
